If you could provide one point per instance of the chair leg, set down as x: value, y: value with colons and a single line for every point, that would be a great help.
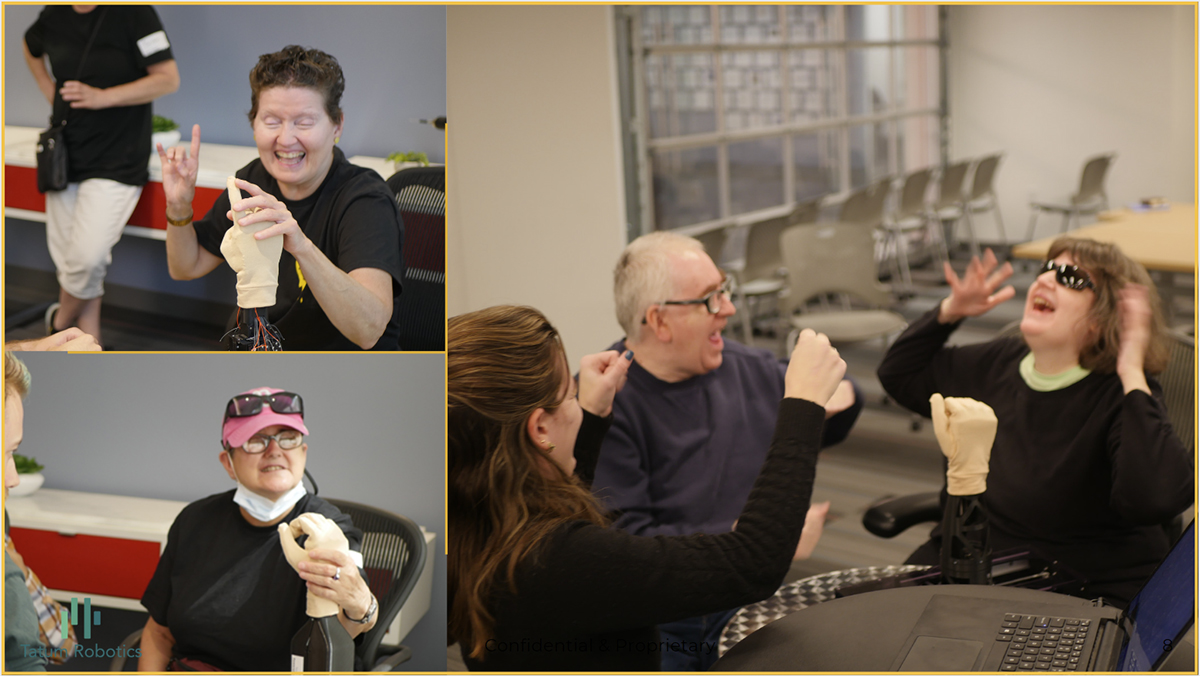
x: 747, y: 321
x: 1032, y: 224
x: 974, y: 241
x: 902, y: 257
x: 999, y: 221
x: 1066, y: 223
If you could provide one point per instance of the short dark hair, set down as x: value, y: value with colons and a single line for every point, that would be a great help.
x: 296, y: 66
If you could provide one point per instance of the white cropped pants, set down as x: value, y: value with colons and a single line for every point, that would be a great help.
x: 83, y: 223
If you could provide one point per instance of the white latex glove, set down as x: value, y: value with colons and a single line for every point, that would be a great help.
x: 965, y: 430
x: 255, y: 262
x: 322, y: 533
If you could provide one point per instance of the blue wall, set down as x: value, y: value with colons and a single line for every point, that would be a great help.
x: 394, y: 58
x: 148, y: 425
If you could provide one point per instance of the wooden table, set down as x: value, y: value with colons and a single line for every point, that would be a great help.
x: 1159, y: 240
x: 1163, y: 241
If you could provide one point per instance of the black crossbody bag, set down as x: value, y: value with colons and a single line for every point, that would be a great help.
x: 52, y: 146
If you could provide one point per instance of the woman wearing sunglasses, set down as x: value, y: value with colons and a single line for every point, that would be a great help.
x: 224, y: 595
x: 1085, y: 466
x: 537, y: 579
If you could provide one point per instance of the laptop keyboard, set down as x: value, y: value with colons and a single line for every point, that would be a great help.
x: 1038, y: 643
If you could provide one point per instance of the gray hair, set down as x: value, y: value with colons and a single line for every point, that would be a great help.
x: 643, y: 276
x: 16, y: 376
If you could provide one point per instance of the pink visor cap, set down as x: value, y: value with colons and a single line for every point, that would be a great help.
x: 237, y: 431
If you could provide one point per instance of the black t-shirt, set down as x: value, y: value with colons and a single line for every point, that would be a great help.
x: 111, y: 143
x: 225, y: 590
x: 353, y: 219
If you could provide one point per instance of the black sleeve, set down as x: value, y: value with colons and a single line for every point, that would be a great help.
x: 210, y: 229
x: 637, y: 581
x: 157, y: 597
x: 911, y: 370
x: 371, y: 236
x: 35, y: 36
x: 587, y: 444
x: 150, y: 43
x: 1153, y: 479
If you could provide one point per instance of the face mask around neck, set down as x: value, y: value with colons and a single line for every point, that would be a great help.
x: 264, y: 509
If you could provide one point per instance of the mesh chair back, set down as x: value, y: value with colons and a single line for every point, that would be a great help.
x: 985, y: 176
x: 1179, y: 387
x: 421, y: 194
x: 763, y: 259
x: 1091, y: 183
x: 950, y: 186
x: 394, y: 553
x: 912, y: 195
x: 833, y: 257
x: 714, y: 243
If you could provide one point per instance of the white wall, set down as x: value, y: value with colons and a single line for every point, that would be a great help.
x: 534, y: 175
x: 1053, y: 85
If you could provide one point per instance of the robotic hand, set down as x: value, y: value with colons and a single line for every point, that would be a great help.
x: 256, y: 263
x: 322, y: 533
x: 965, y: 430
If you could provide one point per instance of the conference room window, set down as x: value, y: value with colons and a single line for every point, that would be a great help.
x: 743, y: 110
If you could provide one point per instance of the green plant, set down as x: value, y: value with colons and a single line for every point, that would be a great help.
x: 159, y: 123
x: 26, y: 464
x: 415, y: 156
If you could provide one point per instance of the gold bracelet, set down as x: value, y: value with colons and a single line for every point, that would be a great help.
x: 181, y: 222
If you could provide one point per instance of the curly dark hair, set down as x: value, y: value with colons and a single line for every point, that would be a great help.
x: 296, y: 66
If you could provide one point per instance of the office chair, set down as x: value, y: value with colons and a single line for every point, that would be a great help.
x: 421, y: 195
x: 912, y: 215
x: 950, y: 204
x: 983, y: 198
x: 764, y: 271
x: 1090, y: 199
x: 394, y: 553
x: 714, y: 243
x: 825, y: 259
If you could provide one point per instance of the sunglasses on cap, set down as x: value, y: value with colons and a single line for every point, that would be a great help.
x: 246, y: 405
x: 1069, y: 276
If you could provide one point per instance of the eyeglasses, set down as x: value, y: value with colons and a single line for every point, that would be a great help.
x: 712, y: 301
x: 286, y: 439
x: 1069, y: 276
x: 246, y: 405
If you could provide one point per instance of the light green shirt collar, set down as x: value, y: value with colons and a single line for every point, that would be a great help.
x: 1041, y: 382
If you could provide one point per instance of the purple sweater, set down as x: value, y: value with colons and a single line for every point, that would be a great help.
x: 682, y: 457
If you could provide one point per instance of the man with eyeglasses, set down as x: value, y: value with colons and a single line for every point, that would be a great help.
x: 224, y: 594
x: 693, y: 423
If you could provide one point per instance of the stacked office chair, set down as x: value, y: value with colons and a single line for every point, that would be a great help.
x: 421, y: 194
x: 982, y: 198
x: 950, y: 205
x: 835, y: 259
x: 912, y: 215
x: 714, y: 243
x: 1090, y: 199
x: 394, y: 554
x: 764, y: 272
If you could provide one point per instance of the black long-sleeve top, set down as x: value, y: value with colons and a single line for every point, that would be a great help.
x: 1085, y: 474
x: 590, y: 598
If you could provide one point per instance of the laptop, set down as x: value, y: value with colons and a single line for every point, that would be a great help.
x: 977, y: 633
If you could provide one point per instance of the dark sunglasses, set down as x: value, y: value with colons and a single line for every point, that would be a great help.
x: 1069, y: 276
x: 246, y: 405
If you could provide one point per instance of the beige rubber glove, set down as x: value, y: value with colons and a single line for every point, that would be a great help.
x: 256, y: 263
x: 965, y: 430
x: 322, y: 533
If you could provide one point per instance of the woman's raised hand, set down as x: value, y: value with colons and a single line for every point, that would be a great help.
x: 1133, y: 308
x: 815, y: 370
x: 179, y: 171
x: 601, y: 376
x: 976, y: 292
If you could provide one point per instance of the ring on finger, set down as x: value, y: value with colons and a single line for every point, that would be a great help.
x: 337, y: 575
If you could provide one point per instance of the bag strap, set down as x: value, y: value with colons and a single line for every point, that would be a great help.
x: 82, y: 60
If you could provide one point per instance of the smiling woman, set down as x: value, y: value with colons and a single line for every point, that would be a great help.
x: 341, y: 271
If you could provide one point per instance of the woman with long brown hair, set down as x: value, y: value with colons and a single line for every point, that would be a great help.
x: 1085, y: 466
x: 537, y: 580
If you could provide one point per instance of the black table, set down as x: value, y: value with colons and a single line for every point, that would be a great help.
x: 860, y: 633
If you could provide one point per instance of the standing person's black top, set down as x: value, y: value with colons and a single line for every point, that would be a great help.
x: 112, y: 143
x: 225, y: 590
x: 1085, y: 474
x: 589, y: 597
x: 353, y: 219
